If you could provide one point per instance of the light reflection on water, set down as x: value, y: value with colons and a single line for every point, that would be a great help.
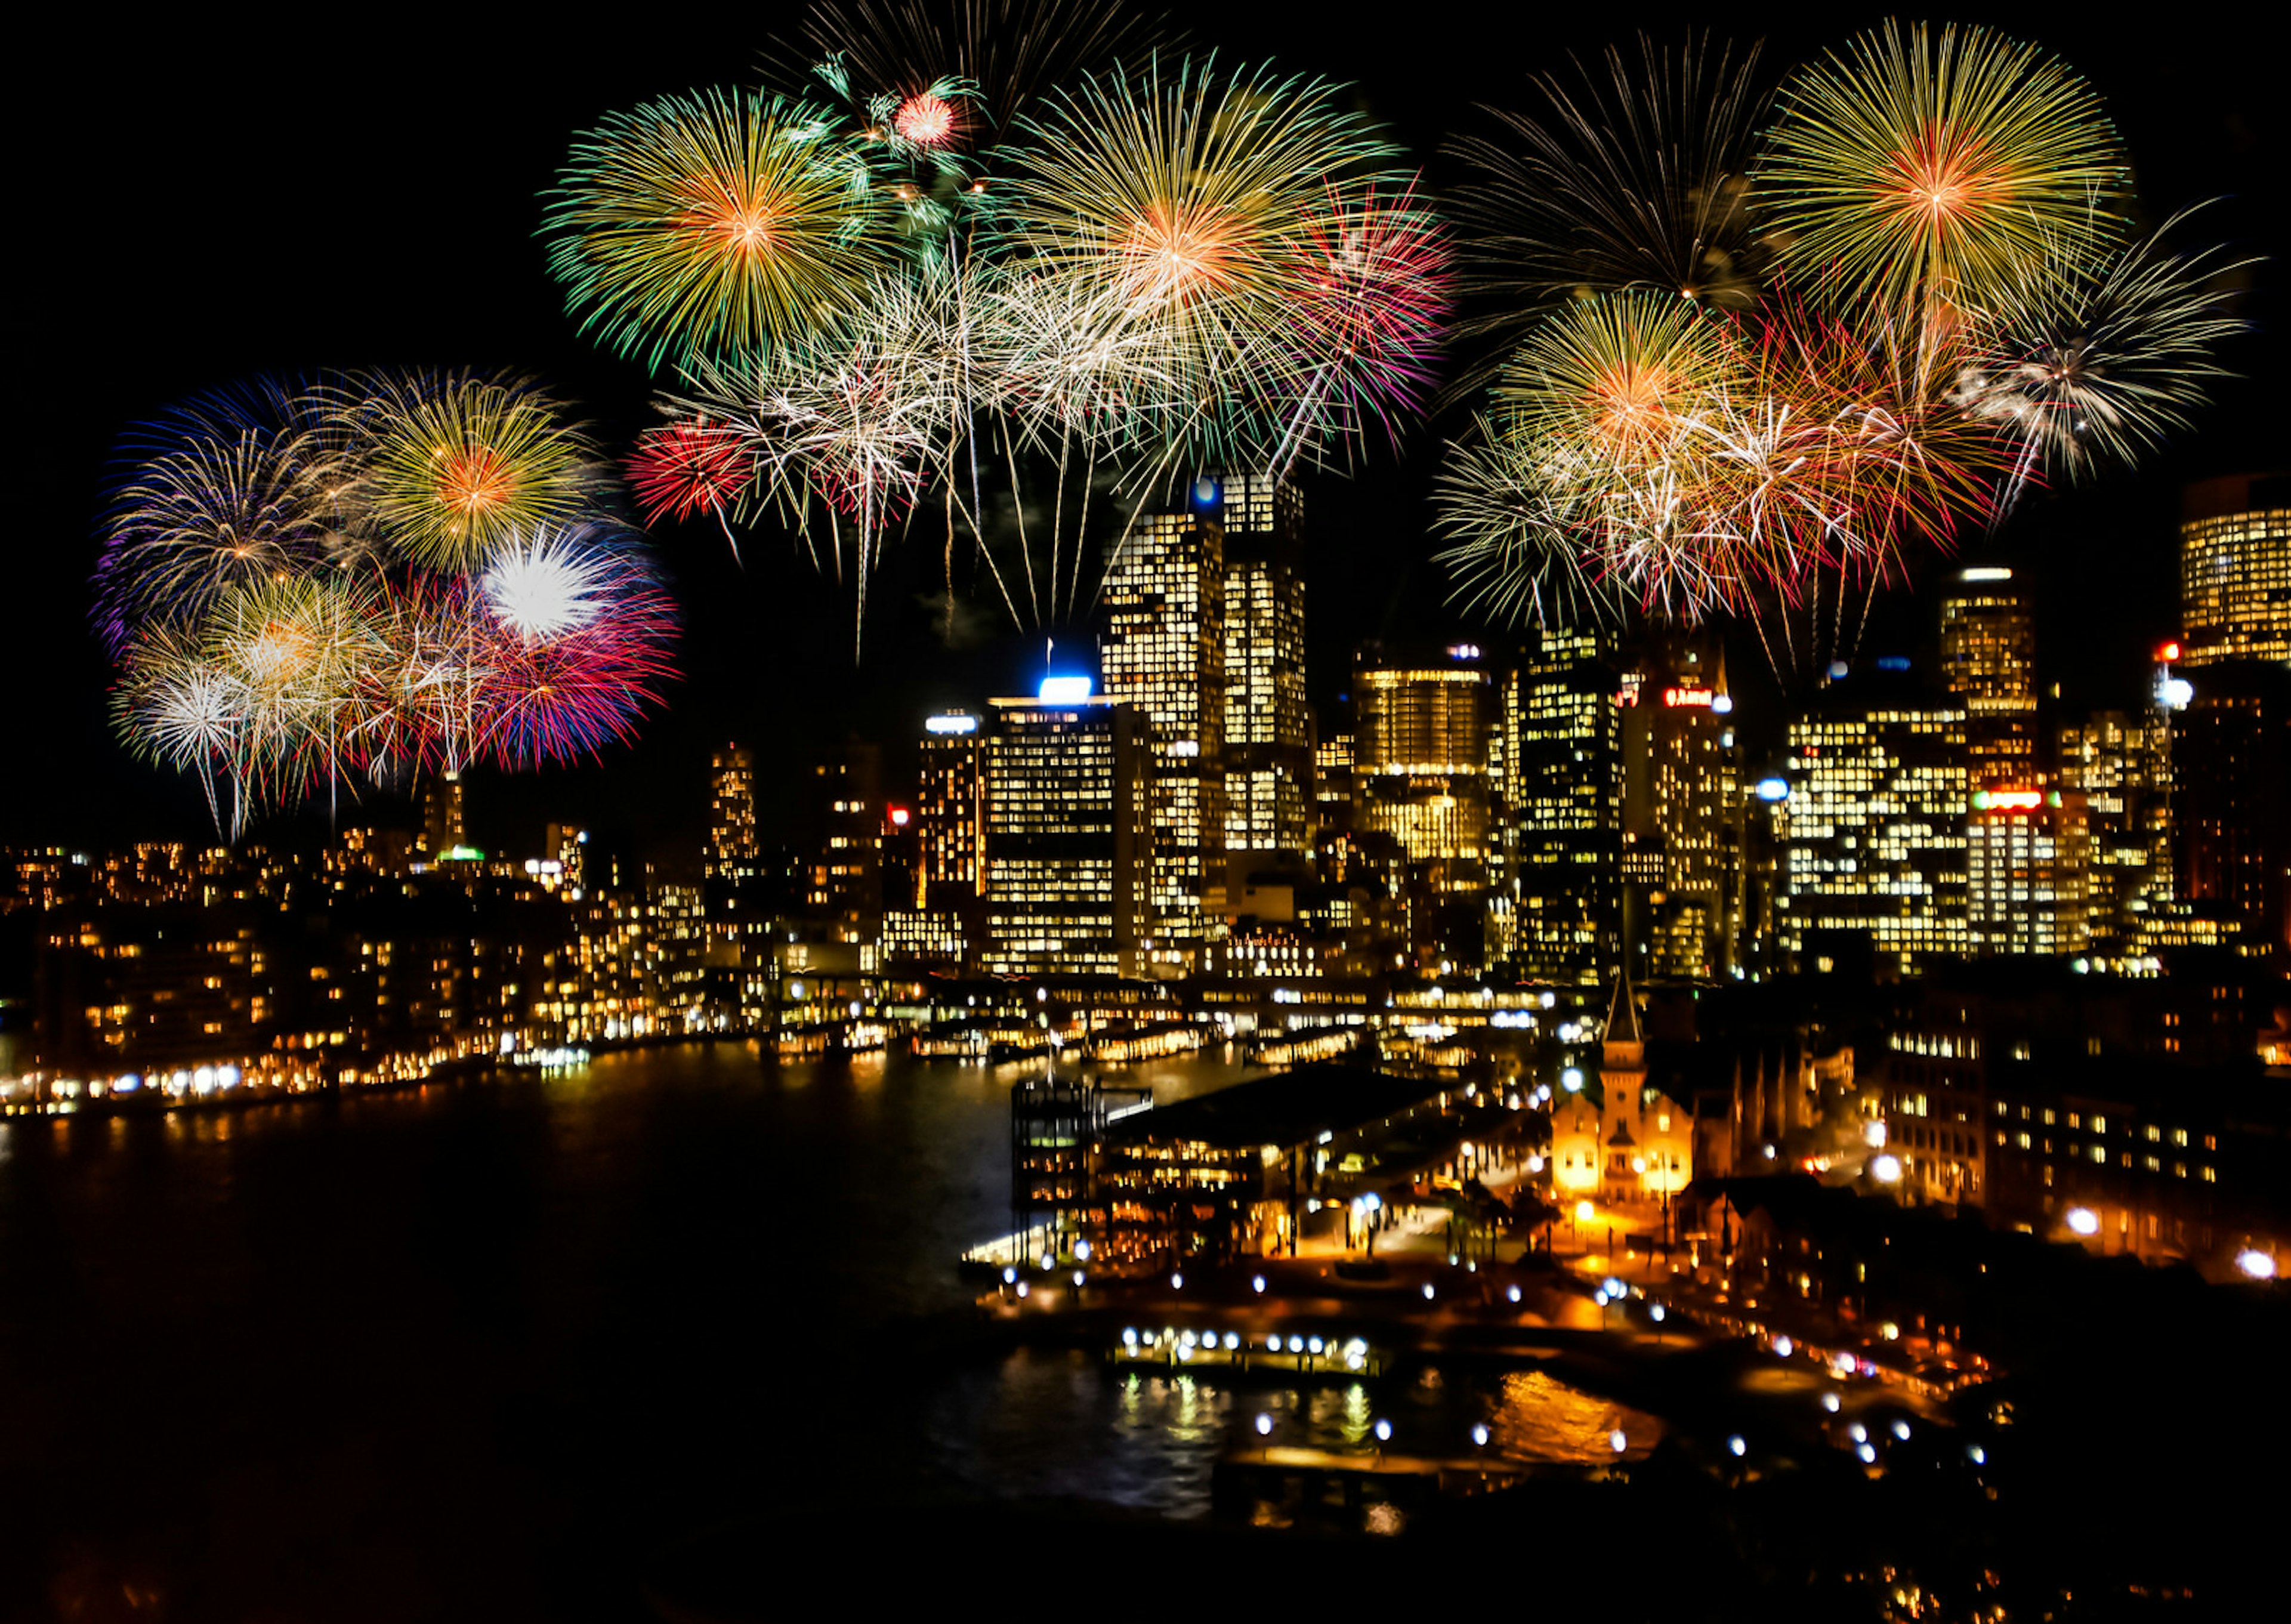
x: 573, y: 1279
x: 1057, y: 1425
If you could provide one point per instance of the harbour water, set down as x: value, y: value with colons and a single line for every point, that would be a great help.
x: 510, y: 1340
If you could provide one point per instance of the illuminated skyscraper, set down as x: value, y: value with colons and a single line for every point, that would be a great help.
x: 1162, y: 655
x: 2025, y: 871
x: 1873, y: 832
x: 1989, y: 660
x: 2235, y: 570
x: 1069, y: 836
x: 1563, y: 790
x: 951, y: 809
x: 731, y: 814
x: 1420, y: 779
x: 441, y: 816
x: 2122, y: 767
x: 1679, y: 801
x: 1268, y: 762
x: 2231, y: 799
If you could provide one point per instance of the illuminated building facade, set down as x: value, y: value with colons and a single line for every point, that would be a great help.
x: 2026, y: 860
x: 1162, y: 655
x: 2122, y: 766
x: 1873, y: 833
x: 732, y: 852
x: 1679, y: 799
x: 2232, y: 800
x: 1563, y: 751
x: 1332, y: 784
x: 2235, y: 570
x: 1989, y: 660
x: 1421, y: 782
x: 1268, y: 748
x: 442, y: 830
x: 950, y: 808
x: 1069, y: 836
x: 1635, y: 1144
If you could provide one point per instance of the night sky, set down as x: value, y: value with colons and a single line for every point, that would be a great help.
x: 197, y: 201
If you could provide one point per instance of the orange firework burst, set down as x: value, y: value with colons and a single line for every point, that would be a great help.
x: 1174, y: 250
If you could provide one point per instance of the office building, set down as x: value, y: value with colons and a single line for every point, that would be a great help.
x: 2232, y: 800
x: 2121, y: 764
x: 1069, y: 835
x: 1162, y: 655
x: 1873, y: 832
x: 1269, y: 745
x: 1679, y: 801
x: 2235, y: 570
x: 1563, y: 751
x: 2026, y: 864
x: 732, y: 851
x: 1421, y: 783
x: 1989, y: 660
x: 442, y: 830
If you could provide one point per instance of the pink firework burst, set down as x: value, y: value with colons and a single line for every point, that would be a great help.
x: 1372, y: 309
x: 926, y: 119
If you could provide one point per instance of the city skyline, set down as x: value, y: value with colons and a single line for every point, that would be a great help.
x: 815, y: 819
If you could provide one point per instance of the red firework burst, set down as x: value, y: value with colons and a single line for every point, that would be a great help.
x: 689, y: 467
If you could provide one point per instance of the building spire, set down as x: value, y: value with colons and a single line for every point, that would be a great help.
x: 1621, y: 997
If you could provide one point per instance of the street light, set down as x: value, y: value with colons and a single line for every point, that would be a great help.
x: 2084, y: 1221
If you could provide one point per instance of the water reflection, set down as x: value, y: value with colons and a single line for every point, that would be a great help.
x: 1044, y: 1425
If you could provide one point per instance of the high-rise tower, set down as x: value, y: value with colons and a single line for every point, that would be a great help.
x: 1162, y: 655
x: 732, y: 853
x: 1989, y: 660
x: 1563, y: 789
x: 1068, y: 833
x: 1269, y: 745
x: 1873, y: 832
x: 1679, y: 797
x: 2235, y: 570
x: 1421, y: 782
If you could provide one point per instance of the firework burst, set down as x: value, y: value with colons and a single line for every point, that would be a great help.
x: 1635, y: 179
x: 718, y: 222
x: 1920, y: 166
x: 261, y: 646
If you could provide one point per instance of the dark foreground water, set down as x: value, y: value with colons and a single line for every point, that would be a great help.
x: 504, y: 1348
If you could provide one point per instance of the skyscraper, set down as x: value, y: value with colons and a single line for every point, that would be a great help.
x: 2231, y: 799
x: 441, y: 816
x: 1162, y: 653
x: 2121, y: 765
x: 1563, y: 792
x: 2235, y: 570
x: 1873, y: 832
x: 951, y: 809
x: 1268, y: 762
x: 1069, y: 836
x: 732, y: 853
x: 2026, y: 865
x: 1989, y: 660
x: 1679, y: 801
x: 1420, y: 779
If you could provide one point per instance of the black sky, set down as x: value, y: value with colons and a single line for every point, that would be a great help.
x: 199, y: 200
